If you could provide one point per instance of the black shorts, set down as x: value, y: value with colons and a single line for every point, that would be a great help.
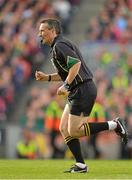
x: 82, y: 98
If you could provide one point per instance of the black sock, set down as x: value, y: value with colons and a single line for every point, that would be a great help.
x: 93, y: 128
x: 74, y: 146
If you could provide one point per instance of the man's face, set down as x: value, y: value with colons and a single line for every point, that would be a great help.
x: 46, y: 34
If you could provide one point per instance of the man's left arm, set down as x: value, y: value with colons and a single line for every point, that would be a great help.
x: 73, y: 71
x: 73, y: 65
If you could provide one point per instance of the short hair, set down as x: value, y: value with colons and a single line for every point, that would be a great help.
x: 53, y: 23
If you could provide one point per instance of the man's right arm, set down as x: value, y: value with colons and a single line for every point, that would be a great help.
x: 40, y: 76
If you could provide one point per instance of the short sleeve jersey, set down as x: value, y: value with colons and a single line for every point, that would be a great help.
x: 64, y: 55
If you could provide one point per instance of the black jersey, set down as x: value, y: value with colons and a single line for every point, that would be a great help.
x: 64, y: 53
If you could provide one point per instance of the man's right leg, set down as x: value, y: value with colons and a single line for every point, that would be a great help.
x: 72, y: 142
x: 79, y: 128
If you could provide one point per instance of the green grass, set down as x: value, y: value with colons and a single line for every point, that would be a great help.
x: 53, y: 169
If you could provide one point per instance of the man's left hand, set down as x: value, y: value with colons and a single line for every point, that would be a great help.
x: 62, y: 91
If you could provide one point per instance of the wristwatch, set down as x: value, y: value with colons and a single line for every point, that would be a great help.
x: 66, y: 85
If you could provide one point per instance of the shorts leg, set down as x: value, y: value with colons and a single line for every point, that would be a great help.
x: 82, y: 100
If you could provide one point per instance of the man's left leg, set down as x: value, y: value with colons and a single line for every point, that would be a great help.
x: 72, y: 142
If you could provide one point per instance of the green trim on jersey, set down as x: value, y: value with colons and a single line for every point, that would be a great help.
x: 71, y: 61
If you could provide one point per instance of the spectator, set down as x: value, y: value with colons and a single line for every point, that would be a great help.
x: 27, y: 147
x: 52, y: 121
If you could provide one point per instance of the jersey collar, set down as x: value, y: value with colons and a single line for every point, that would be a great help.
x: 57, y: 38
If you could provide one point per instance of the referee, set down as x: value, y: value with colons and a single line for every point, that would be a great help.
x: 79, y: 86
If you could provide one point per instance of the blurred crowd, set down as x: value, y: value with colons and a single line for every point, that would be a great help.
x: 107, y: 50
x: 41, y: 122
x: 20, y: 54
x: 114, y: 23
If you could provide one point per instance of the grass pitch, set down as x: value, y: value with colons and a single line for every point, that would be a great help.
x: 53, y: 169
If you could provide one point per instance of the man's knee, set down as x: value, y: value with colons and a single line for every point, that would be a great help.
x: 73, y: 131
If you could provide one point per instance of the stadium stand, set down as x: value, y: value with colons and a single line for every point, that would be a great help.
x: 20, y: 54
x: 107, y: 50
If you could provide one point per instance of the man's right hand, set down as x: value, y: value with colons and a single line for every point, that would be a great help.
x: 40, y: 76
